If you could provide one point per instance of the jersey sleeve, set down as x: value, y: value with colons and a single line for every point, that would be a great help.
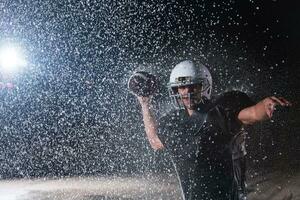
x: 232, y: 103
x: 235, y: 101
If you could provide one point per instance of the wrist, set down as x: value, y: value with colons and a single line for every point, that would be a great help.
x: 145, y: 106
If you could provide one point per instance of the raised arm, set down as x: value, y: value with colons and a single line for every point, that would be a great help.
x: 263, y: 110
x: 150, y: 123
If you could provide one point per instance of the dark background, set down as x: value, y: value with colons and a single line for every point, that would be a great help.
x: 71, y: 113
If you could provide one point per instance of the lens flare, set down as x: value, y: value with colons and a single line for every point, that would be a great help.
x: 11, y: 59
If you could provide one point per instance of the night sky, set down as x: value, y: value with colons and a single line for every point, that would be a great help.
x: 70, y: 112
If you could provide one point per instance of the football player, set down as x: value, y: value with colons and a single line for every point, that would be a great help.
x: 205, y: 136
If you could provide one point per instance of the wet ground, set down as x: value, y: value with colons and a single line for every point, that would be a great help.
x: 275, y: 186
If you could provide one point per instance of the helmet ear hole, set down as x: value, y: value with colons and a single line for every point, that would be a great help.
x: 208, y: 91
x: 175, y: 90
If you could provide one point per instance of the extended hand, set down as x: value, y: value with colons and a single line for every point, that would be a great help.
x: 271, y: 102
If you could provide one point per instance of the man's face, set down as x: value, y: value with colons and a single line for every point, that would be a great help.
x: 190, y: 95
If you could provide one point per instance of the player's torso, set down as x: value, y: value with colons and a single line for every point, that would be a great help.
x: 194, y: 139
x: 202, y: 155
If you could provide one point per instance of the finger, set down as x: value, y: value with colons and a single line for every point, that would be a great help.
x: 283, y: 101
x: 277, y: 101
x: 270, y: 110
x: 287, y: 103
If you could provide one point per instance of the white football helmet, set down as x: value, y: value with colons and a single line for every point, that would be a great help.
x: 187, y: 73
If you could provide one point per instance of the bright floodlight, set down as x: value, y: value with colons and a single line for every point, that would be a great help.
x: 11, y: 59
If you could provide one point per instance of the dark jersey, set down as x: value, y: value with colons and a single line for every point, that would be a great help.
x: 204, y: 146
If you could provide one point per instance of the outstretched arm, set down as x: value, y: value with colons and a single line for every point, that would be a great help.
x: 262, y: 110
x: 150, y: 123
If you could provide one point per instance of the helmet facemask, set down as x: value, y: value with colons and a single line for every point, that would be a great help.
x: 194, y: 96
